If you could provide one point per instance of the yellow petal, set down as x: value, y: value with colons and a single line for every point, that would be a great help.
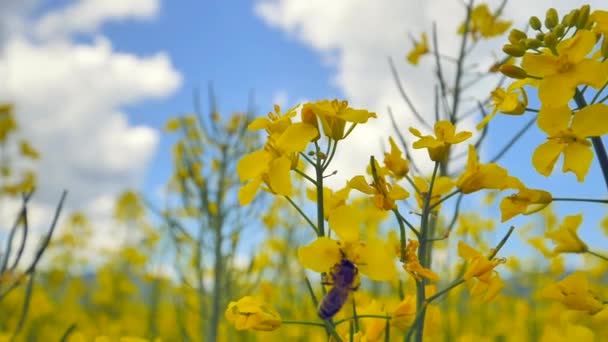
x: 539, y: 65
x: 296, y: 137
x: 247, y: 192
x: 577, y: 47
x: 591, y: 72
x: 552, y: 120
x: 320, y: 255
x: 359, y: 183
x: 557, y: 90
x: 258, y: 123
x: 591, y: 121
x: 460, y: 137
x: 279, y: 176
x: 345, y: 221
x: 577, y: 159
x: 545, y: 156
x: 253, y: 165
x: 466, y: 251
x: 376, y: 261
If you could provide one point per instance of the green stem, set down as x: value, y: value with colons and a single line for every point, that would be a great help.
x: 338, y: 322
x: 605, y: 258
x: 286, y: 321
x: 438, y: 203
x: 572, y: 199
x: 293, y: 204
x: 310, y: 179
x: 319, y: 175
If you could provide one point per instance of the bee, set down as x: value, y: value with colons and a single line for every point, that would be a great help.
x: 343, y: 279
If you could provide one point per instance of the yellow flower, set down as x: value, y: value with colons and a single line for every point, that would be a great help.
x: 272, y: 164
x: 568, y: 134
x: 566, y: 236
x: 27, y: 150
x: 250, y: 314
x: 374, y: 327
x: 562, y: 73
x: 385, y: 194
x: 405, y: 313
x: 489, y: 283
x: 485, y: 23
x: 574, y: 293
x: 438, y: 147
x: 511, y: 101
x: 397, y: 166
x: 484, y: 176
x: 331, y: 199
x: 526, y: 201
x: 372, y: 257
x: 420, y: 48
x: 333, y: 116
x: 412, y: 263
x: 441, y: 186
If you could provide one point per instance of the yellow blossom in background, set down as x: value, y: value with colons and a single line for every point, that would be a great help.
x: 420, y: 49
x: 489, y: 283
x: 512, y: 101
x: 484, y: 176
x: 331, y: 199
x: 397, y: 166
x: 574, y: 292
x: 333, y: 116
x: 484, y: 23
x: 374, y: 327
x: 403, y: 316
x: 566, y: 236
x: 562, y: 73
x: 384, y: 194
x: 27, y: 150
x: 441, y: 186
x: 412, y: 264
x: 526, y: 201
x: 250, y: 314
x: 568, y: 134
x: 438, y: 146
x: 7, y: 121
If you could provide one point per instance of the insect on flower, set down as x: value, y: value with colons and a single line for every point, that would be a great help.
x: 344, y: 280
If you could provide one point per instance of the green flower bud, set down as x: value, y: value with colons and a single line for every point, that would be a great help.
x: 571, y: 18
x: 551, y: 18
x: 540, y: 36
x: 550, y: 39
x: 559, y: 30
x: 514, y: 50
x: 513, y: 71
x: 532, y: 43
x: 515, y: 36
x: 535, y: 23
x: 583, y: 16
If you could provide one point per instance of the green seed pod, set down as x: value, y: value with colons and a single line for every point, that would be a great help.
x: 559, y: 30
x: 532, y: 43
x: 514, y: 50
x: 551, y: 18
x: 550, y: 39
x: 571, y: 18
x: 513, y: 71
x: 535, y: 23
x: 515, y: 36
x: 583, y: 17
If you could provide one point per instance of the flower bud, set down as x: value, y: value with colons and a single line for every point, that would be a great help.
x: 550, y: 39
x: 559, y: 30
x: 540, y: 36
x: 571, y: 18
x: 513, y: 71
x: 516, y: 35
x: 551, y: 18
x: 532, y: 43
x: 514, y: 50
x: 583, y: 16
x: 535, y: 23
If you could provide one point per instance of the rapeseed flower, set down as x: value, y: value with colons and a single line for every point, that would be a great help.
x: 438, y: 146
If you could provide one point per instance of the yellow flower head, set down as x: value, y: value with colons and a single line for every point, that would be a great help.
x: 420, y: 48
x: 568, y: 134
x: 384, y: 194
x: 488, y: 283
x: 405, y: 313
x: 333, y: 116
x: 574, y: 293
x: 484, y: 176
x: 397, y: 166
x: 512, y: 101
x: 372, y: 257
x: 441, y: 186
x: 250, y: 314
x: 484, y: 23
x: 526, y: 201
x: 412, y: 263
x: 566, y: 236
x: 445, y: 136
x: 561, y: 73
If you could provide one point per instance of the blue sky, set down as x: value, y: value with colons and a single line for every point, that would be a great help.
x: 98, y: 86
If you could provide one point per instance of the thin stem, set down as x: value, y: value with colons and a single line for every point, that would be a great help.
x: 293, y: 204
x: 310, y: 179
x: 319, y: 175
x: 408, y: 101
x: 511, y: 142
x: 338, y: 322
x: 605, y: 258
x: 294, y: 322
x: 448, y: 196
x: 570, y: 199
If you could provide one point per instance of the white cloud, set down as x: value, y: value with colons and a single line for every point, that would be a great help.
x: 70, y: 99
x: 357, y: 36
x: 86, y: 16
